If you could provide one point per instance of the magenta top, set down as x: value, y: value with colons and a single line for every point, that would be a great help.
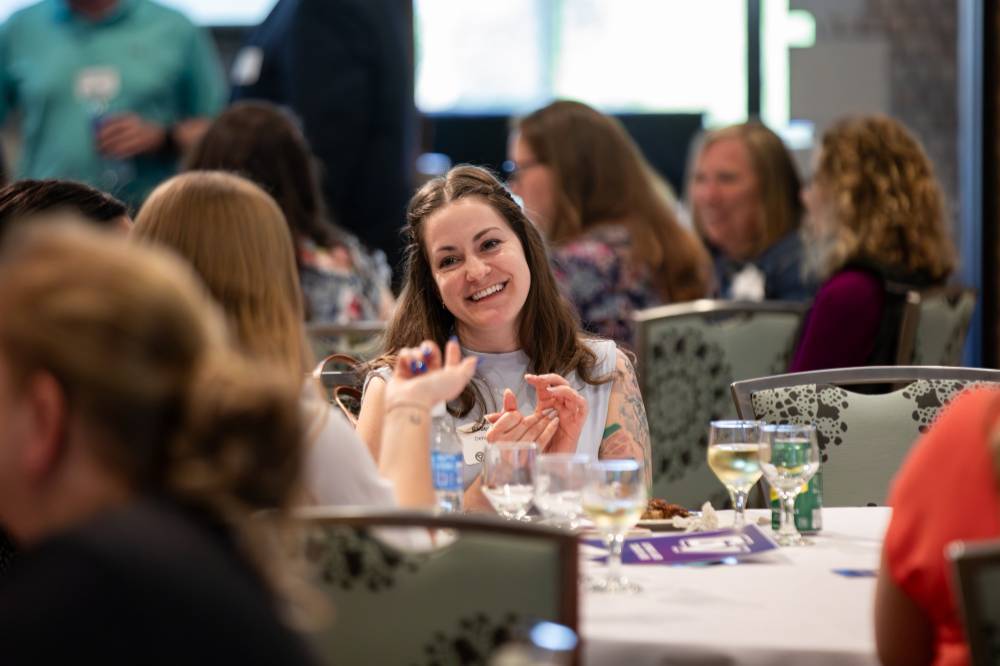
x: 840, y: 329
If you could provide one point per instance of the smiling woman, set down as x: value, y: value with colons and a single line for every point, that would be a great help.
x: 744, y: 198
x: 477, y: 269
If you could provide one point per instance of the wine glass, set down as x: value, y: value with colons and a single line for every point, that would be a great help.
x: 614, y: 497
x: 559, y: 482
x: 733, y: 456
x: 508, y: 473
x: 789, y: 457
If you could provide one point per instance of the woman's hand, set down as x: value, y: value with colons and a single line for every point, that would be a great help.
x: 511, y: 425
x: 420, y: 378
x: 554, y: 392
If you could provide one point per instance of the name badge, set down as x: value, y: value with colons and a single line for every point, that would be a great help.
x: 473, y: 443
x: 97, y: 84
x: 246, y: 66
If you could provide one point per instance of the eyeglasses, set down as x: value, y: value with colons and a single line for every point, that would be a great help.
x: 511, y: 169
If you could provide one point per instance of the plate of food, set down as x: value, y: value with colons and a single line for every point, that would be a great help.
x: 659, y: 516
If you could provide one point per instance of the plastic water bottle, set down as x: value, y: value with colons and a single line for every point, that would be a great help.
x: 116, y: 174
x: 446, y: 461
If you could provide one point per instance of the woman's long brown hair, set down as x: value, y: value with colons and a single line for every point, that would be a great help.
x: 548, y: 331
x: 603, y: 178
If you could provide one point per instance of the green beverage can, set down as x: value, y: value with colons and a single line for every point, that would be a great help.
x: 808, y: 506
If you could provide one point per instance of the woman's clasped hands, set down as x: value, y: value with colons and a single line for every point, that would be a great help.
x: 556, y: 423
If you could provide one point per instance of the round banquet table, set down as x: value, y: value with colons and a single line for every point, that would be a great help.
x: 788, y: 607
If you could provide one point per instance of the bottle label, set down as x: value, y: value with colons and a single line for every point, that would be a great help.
x: 446, y: 469
x: 808, y: 506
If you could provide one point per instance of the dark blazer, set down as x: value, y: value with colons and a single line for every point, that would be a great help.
x: 346, y: 68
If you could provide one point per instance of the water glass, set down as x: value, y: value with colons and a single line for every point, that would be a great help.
x: 559, y: 482
x: 733, y: 456
x: 614, y: 497
x: 789, y: 457
x: 508, y: 477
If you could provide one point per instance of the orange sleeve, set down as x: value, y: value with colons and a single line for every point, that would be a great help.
x: 945, y: 490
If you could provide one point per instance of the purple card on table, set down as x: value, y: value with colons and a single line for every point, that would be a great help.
x: 693, y: 547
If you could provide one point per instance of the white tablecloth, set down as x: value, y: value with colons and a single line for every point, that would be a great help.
x: 790, y: 609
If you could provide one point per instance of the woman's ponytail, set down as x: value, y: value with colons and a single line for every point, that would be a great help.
x: 238, y: 446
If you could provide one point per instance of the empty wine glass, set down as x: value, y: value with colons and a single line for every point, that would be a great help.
x: 789, y: 457
x: 614, y: 497
x: 733, y: 456
x: 508, y: 477
x: 559, y: 482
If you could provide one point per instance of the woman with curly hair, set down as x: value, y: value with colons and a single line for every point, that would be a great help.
x: 875, y: 227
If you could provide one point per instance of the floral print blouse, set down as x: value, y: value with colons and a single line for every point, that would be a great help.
x: 596, y: 273
x: 344, y: 284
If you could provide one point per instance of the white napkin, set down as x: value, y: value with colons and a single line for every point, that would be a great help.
x: 706, y: 521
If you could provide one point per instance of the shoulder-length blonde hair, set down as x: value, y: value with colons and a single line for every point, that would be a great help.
x: 778, y: 185
x: 235, y: 236
x: 882, y: 201
x: 602, y: 177
x: 548, y: 331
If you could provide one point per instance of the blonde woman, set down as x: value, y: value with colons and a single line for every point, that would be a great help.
x: 875, y: 226
x: 617, y: 246
x: 235, y: 236
x: 134, y: 446
x: 743, y: 194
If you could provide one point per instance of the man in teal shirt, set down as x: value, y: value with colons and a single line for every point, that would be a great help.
x: 110, y: 91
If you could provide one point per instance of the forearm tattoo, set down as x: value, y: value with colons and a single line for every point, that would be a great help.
x: 627, y: 431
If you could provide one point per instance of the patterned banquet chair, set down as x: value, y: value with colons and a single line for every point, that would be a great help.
x: 977, y: 572
x: 451, y: 605
x: 940, y: 324
x: 863, y: 437
x: 358, y: 338
x: 687, y: 356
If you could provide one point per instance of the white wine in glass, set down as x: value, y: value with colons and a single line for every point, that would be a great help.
x: 733, y: 454
x: 614, y: 498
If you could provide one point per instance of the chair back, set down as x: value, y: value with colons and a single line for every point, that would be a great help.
x: 687, y: 355
x: 360, y: 338
x: 451, y: 605
x: 342, y: 383
x: 976, y: 568
x: 940, y: 324
x: 863, y: 437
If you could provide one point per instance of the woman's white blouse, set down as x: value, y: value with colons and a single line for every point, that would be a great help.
x: 339, y: 469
